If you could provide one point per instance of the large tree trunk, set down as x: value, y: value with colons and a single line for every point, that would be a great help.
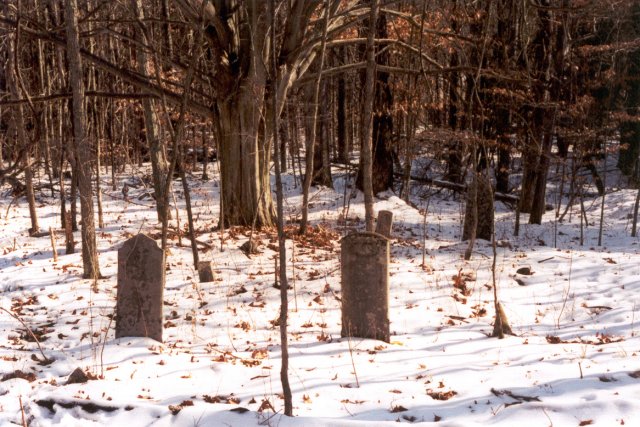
x: 382, y: 166
x: 244, y: 163
x: 630, y: 130
x: 507, y: 34
x: 550, y: 56
x: 81, y: 145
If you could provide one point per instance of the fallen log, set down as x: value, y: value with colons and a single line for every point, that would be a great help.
x: 507, y: 198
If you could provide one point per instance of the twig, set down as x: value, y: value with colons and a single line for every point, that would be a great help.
x: 46, y: 359
x: 104, y: 343
x: 355, y: 373
x: 24, y: 421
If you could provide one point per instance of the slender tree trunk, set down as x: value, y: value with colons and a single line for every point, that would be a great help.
x: 382, y: 132
x: 166, y: 30
x: 321, y: 151
x: 282, y: 250
x: 343, y: 133
x: 187, y: 201
x: 18, y: 121
x: 636, y: 205
x: 81, y: 144
x: 367, y: 119
x: 311, y: 137
x: 205, y: 151
x: 63, y: 200
x: 454, y: 147
x: 156, y: 144
x: 98, y: 189
x: 73, y: 190
x: 530, y: 158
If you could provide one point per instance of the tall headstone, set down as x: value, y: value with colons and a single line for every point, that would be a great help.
x: 364, y: 264
x: 384, y: 223
x: 140, y: 288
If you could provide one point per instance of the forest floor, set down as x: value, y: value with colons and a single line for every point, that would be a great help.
x: 574, y: 360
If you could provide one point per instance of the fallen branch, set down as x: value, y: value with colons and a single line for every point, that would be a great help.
x: 520, y: 398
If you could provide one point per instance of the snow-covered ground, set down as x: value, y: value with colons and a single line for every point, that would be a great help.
x: 574, y: 360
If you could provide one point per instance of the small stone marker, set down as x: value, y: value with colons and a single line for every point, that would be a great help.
x: 205, y: 271
x: 365, y: 286
x: 140, y: 288
x: 384, y: 223
x: 78, y: 376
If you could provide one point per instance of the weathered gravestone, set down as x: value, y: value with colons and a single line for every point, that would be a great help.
x: 481, y: 186
x: 365, y: 286
x: 384, y: 223
x: 205, y: 271
x: 140, y: 289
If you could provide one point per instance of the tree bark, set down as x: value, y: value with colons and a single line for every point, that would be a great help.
x: 81, y: 144
x: 244, y: 164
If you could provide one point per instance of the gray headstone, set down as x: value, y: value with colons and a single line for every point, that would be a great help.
x: 205, y: 271
x: 364, y: 263
x: 140, y: 288
x: 384, y: 223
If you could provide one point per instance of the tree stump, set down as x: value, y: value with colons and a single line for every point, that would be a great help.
x: 384, y: 224
x: 485, y: 212
x: 365, y: 286
x: 140, y: 289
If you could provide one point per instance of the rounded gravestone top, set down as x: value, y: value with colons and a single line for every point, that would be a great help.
x: 141, y: 240
x: 365, y: 234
